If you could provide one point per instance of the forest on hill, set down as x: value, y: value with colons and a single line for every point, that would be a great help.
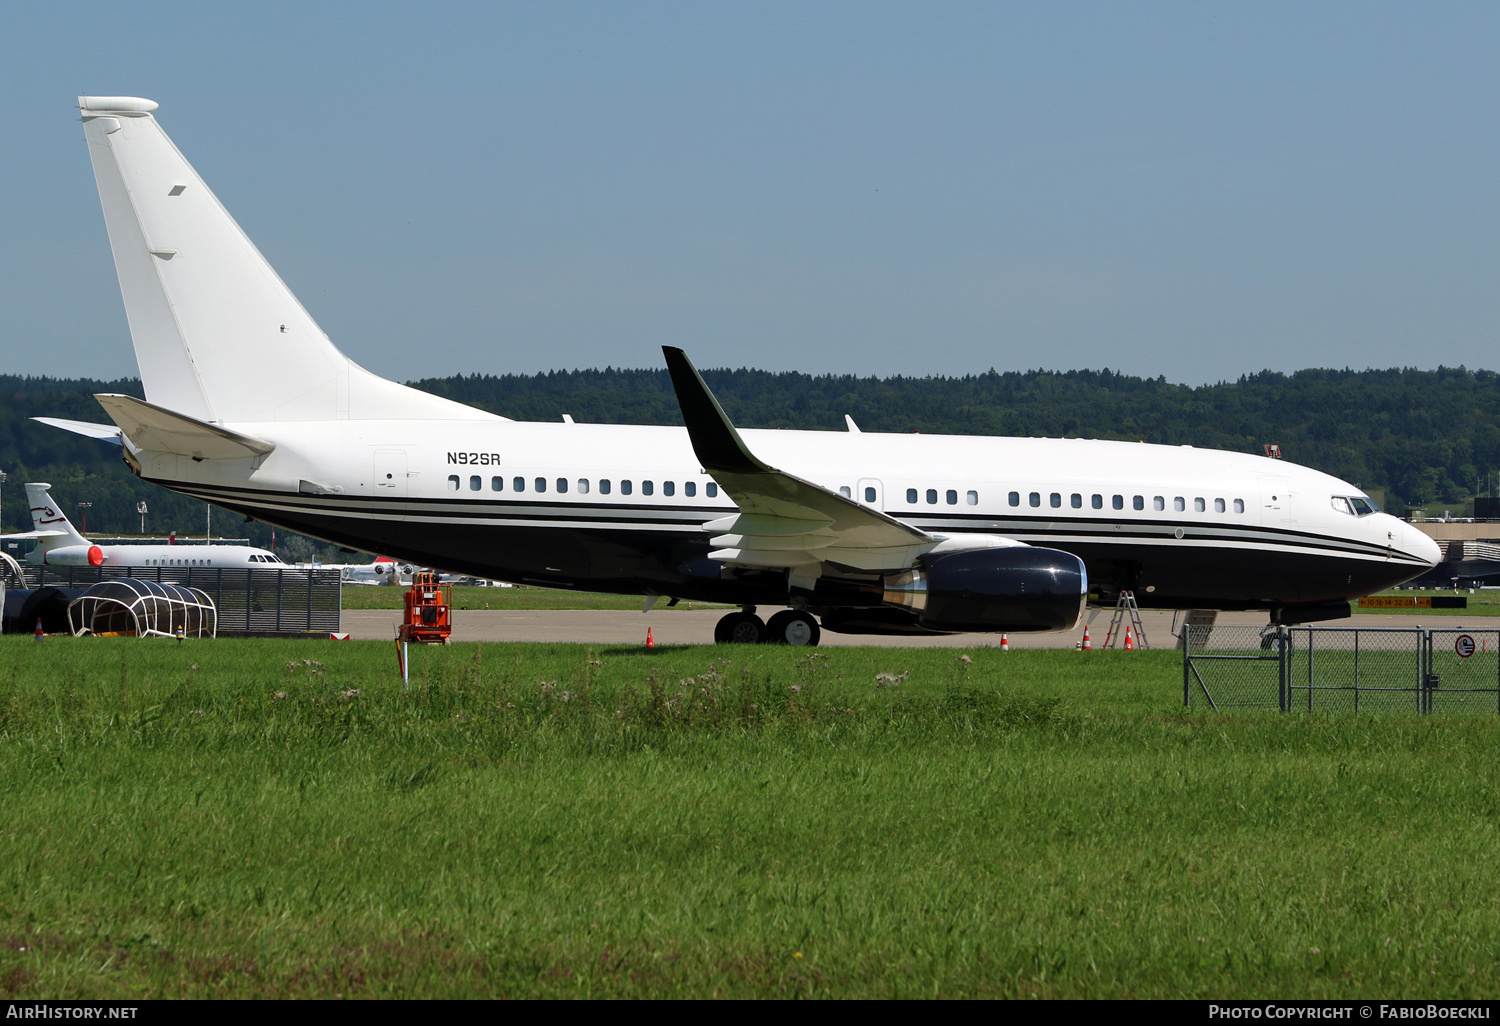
x: 1409, y: 437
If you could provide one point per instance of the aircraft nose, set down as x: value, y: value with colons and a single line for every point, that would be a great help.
x: 1419, y: 544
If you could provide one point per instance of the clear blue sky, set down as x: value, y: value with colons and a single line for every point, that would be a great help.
x: 1196, y: 190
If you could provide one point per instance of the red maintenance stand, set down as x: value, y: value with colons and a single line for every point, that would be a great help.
x: 429, y: 611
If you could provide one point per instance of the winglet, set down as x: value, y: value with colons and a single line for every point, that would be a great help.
x: 715, y: 441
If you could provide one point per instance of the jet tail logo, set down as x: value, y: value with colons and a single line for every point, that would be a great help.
x: 47, y: 515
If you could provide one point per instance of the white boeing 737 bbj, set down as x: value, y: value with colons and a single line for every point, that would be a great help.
x: 250, y: 406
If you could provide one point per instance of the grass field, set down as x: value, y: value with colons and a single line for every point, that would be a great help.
x: 386, y: 597
x: 269, y: 818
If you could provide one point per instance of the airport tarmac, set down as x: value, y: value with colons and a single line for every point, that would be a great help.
x: 696, y: 627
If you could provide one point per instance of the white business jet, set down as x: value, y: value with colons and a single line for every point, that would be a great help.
x: 60, y: 544
x: 249, y: 405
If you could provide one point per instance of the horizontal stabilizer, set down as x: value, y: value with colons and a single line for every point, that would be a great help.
x: 158, y: 430
x: 103, y: 432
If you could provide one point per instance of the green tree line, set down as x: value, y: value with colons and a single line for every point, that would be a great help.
x: 1410, y: 437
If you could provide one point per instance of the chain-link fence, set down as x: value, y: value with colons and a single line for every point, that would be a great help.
x: 1342, y: 669
x: 290, y: 601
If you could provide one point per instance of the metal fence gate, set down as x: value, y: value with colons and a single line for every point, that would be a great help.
x: 290, y: 601
x: 1342, y: 669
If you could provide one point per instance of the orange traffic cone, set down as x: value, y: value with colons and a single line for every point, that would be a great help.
x: 39, y: 634
x: 1129, y: 641
x: 1004, y: 643
x: 1086, y: 646
x: 649, y: 642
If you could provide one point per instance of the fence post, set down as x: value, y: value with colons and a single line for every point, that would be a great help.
x: 1187, y: 645
x: 1283, y: 666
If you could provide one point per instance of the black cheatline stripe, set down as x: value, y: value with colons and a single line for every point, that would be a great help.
x: 376, y: 506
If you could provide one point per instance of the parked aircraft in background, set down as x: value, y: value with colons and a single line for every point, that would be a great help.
x: 60, y: 544
x: 250, y: 406
x: 384, y: 570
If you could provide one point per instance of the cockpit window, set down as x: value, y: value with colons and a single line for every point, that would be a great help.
x: 1353, y: 505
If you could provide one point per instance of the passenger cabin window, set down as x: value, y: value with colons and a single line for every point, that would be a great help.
x: 972, y: 497
x: 583, y: 486
x: 562, y: 485
x: 668, y: 487
x: 1118, y: 501
x: 648, y: 487
x: 519, y: 484
x: 1139, y: 502
x: 1076, y: 501
x: 1097, y: 501
x: 1198, y: 505
x: 475, y: 483
x: 497, y: 484
x: 932, y: 496
x: 626, y: 487
x: 911, y: 496
x: 453, y: 482
x: 845, y: 492
x: 1179, y: 504
x: 541, y: 484
x: 711, y: 489
x: 952, y: 496
x: 604, y: 486
x: 1158, y: 502
x: 870, y: 494
x: 690, y: 488
x: 1055, y: 499
x: 1014, y: 498
x: 1239, y: 505
x: 1035, y: 498
x: 1218, y: 505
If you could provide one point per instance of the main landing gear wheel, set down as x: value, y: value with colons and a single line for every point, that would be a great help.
x: 740, y: 629
x: 793, y: 627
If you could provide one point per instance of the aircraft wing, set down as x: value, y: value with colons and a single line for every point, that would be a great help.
x: 783, y: 520
x: 103, y: 432
x: 162, y: 430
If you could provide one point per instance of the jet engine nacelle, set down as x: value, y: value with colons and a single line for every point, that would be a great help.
x: 1017, y: 589
x: 74, y: 555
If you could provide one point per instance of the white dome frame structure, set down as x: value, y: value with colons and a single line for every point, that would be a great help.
x: 132, y: 607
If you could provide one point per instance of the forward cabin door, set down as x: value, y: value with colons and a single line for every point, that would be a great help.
x: 1277, y: 508
x: 390, y: 479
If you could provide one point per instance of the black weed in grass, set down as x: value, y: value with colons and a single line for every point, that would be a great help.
x: 281, y: 819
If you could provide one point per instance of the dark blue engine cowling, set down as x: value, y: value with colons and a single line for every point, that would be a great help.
x: 1015, y: 589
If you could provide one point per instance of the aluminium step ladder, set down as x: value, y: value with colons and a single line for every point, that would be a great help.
x: 1125, y: 605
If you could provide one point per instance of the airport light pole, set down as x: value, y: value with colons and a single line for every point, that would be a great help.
x: 3, y: 476
x: 85, y: 507
x: 140, y: 507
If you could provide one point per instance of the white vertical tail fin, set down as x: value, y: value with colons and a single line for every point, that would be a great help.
x: 48, y: 518
x: 218, y: 336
